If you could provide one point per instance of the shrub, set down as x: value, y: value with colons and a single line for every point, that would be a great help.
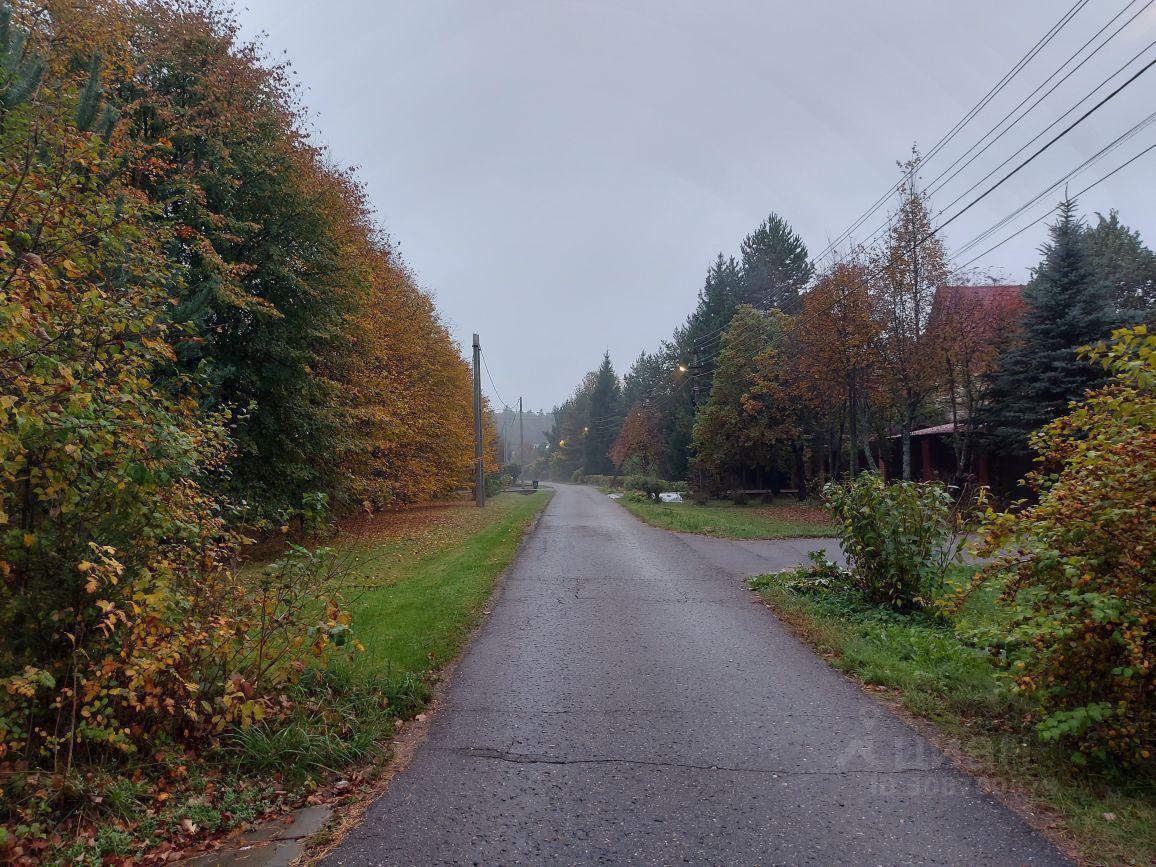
x: 900, y: 538
x: 577, y: 478
x: 493, y: 486
x: 1081, y: 564
x: 820, y: 577
x: 648, y: 485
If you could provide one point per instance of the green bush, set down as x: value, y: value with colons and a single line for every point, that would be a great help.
x: 900, y: 538
x: 577, y: 478
x: 493, y: 486
x: 652, y: 486
x: 1079, y: 565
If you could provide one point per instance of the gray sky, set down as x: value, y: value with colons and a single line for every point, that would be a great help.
x: 560, y: 173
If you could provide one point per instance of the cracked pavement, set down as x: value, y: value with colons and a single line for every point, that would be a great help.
x: 627, y: 702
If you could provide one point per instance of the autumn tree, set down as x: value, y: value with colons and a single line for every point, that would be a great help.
x: 969, y: 326
x: 727, y: 439
x: 639, y: 439
x: 837, y: 359
x: 910, y: 267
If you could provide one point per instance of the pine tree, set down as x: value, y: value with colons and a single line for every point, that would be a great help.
x: 1067, y: 307
x: 775, y: 266
x: 604, y: 419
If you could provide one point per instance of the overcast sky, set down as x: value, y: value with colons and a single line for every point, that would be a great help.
x: 559, y: 173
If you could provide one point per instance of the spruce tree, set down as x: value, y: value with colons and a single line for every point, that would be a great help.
x: 1067, y: 307
x: 603, y: 421
x: 775, y: 266
x: 21, y: 71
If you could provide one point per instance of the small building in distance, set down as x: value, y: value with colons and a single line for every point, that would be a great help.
x: 969, y: 324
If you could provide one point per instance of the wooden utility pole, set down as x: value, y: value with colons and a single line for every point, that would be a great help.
x: 479, y: 428
x: 521, y: 436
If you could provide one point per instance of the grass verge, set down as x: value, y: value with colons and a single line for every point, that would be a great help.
x: 780, y: 520
x: 925, y: 667
x: 418, y: 584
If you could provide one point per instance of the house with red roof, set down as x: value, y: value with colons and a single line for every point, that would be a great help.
x: 968, y: 324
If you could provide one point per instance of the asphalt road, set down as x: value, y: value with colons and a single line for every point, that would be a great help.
x: 627, y: 702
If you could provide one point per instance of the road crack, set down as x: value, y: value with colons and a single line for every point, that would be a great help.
x: 542, y: 759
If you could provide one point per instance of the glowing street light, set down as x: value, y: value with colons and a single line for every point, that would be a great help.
x: 682, y: 368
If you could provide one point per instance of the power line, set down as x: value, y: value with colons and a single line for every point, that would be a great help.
x: 1108, y: 148
x: 1040, y: 151
x: 886, y: 223
x: 497, y: 394
x: 935, y: 185
x: 1040, y: 219
x: 994, y: 91
x: 797, y: 324
x: 1048, y: 36
x: 1051, y: 142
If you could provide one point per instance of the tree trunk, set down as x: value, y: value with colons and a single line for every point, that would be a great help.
x: 905, y: 445
x: 800, y: 472
x: 853, y: 411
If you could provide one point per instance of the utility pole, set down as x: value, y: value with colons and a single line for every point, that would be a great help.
x: 521, y: 436
x: 479, y: 462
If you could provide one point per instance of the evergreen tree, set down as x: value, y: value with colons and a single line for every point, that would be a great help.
x: 1067, y: 307
x: 1125, y: 267
x: 775, y: 266
x: 727, y: 438
x: 603, y: 421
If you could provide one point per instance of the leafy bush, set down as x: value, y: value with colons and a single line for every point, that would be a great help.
x: 493, y: 486
x: 900, y: 538
x: 1081, y: 564
x: 577, y: 478
x: 650, y: 485
x: 818, y: 578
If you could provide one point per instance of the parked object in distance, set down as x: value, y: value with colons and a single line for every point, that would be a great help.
x: 670, y: 497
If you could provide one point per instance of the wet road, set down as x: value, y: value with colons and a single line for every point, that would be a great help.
x: 627, y: 702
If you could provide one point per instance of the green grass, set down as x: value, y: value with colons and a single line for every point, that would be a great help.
x: 780, y: 520
x: 417, y: 583
x: 933, y: 672
x: 427, y: 591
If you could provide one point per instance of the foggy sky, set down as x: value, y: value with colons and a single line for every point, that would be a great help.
x: 560, y: 173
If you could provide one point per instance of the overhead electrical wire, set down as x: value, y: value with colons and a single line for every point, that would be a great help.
x: 990, y: 230
x: 1048, y: 36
